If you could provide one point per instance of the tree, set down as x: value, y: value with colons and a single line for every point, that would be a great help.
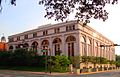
x: 60, y: 63
x: 13, y: 2
x: 103, y: 60
x: 95, y: 60
x: 85, y: 9
x: 118, y: 60
x: 86, y: 60
x: 75, y: 60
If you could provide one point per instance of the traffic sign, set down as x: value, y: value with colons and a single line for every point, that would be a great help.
x: 43, y: 50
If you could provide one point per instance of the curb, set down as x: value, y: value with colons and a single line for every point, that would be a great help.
x: 68, y: 73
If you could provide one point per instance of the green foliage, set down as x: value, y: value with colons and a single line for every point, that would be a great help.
x: 5, y: 58
x: 20, y: 57
x: 84, y: 9
x: 60, y: 63
x: 75, y: 60
x: 118, y: 64
x: 102, y: 60
x: 117, y: 57
x: 86, y: 59
x: 24, y: 58
x: 95, y: 60
x: 112, y: 62
x: 118, y: 60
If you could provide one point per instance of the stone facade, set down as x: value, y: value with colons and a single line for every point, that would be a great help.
x: 70, y: 38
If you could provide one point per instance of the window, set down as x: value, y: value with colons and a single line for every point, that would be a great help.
x: 45, y: 32
x: 71, y: 27
x: 67, y: 28
x: 11, y: 39
x: 57, y: 42
x: 34, y: 35
x: 57, y: 30
x: 18, y: 38
x: 26, y: 36
x: 70, y: 41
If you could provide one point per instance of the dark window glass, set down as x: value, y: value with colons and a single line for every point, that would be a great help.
x: 45, y: 32
x: 18, y: 38
x: 11, y: 40
x: 34, y: 35
x: 67, y: 28
x: 26, y: 36
x: 57, y: 30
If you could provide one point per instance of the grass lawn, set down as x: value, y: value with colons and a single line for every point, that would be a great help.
x: 23, y: 68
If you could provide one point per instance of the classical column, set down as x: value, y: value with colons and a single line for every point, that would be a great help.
x: 77, y: 45
x: 64, y: 47
x: 51, y: 46
x: 39, y: 48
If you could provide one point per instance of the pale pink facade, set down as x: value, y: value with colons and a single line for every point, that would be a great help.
x: 71, y: 38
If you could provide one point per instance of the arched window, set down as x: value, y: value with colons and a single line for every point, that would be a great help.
x: 96, y: 49
x: 25, y: 45
x: 18, y: 46
x: 83, y: 46
x: 89, y: 49
x: 57, y: 42
x: 70, y: 39
x: 44, y: 45
x: 34, y: 45
x: 11, y: 48
x: 70, y: 42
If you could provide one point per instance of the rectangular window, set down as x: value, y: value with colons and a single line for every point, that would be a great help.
x: 45, y: 32
x: 34, y: 35
x: 57, y: 30
x: 18, y: 38
x: 67, y: 28
x: 26, y: 36
x: 11, y: 39
x: 71, y: 27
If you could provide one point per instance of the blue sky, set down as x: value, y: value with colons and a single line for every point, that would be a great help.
x: 27, y: 14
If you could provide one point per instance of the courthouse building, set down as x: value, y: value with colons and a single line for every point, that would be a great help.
x: 70, y: 38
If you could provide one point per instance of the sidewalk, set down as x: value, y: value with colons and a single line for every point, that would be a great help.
x: 68, y: 73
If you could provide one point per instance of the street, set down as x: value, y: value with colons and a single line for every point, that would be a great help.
x: 10, y: 73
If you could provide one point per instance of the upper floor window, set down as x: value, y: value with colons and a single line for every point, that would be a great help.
x: 57, y: 30
x: 26, y: 36
x: 34, y: 35
x: 45, y: 32
x: 11, y: 39
x: 18, y: 38
x: 71, y: 27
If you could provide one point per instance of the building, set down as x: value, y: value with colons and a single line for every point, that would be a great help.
x: 71, y: 38
x: 3, y: 44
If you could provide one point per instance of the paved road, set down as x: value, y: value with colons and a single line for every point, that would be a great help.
x: 9, y: 73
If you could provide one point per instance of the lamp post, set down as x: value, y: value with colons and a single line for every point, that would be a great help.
x: 50, y: 61
x: 45, y: 50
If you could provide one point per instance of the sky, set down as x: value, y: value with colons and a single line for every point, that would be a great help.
x: 27, y: 15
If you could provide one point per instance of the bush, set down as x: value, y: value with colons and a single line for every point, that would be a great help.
x: 59, y: 63
x: 22, y: 57
x: 5, y: 58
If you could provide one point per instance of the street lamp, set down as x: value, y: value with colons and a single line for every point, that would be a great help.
x: 50, y: 61
x: 45, y: 50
